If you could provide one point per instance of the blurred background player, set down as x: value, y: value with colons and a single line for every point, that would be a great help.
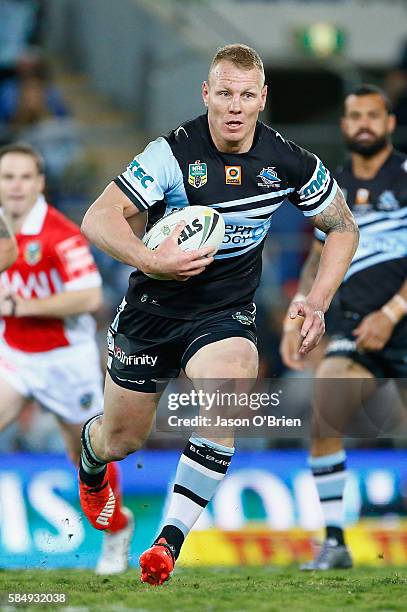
x: 47, y: 345
x: 370, y: 328
x: 8, y: 245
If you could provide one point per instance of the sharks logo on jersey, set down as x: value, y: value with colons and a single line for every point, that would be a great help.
x: 268, y: 177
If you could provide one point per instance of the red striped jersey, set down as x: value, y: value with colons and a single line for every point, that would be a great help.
x: 53, y: 257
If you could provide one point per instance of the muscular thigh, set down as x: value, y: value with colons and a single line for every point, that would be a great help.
x: 228, y: 358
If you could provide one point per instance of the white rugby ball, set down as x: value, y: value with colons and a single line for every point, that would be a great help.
x: 204, y: 227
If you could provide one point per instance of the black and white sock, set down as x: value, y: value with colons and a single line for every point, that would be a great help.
x: 201, y: 468
x: 330, y: 474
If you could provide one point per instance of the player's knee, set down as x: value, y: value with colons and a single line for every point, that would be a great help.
x: 118, y: 448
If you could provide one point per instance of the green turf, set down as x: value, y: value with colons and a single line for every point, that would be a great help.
x: 217, y: 589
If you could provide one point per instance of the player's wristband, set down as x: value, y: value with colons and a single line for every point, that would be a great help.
x: 401, y: 302
x: 386, y: 310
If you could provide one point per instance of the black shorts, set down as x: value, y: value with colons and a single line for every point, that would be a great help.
x: 390, y: 362
x: 146, y: 351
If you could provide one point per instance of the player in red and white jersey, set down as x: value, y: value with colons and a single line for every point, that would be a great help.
x: 48, y: 350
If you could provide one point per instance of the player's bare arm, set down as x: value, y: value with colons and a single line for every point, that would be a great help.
x: 376, y: 328
x: 8, y: 246
x: 58, y: 306
x: 340, y: 245
x: 108, y: 224
x: 291, y: 338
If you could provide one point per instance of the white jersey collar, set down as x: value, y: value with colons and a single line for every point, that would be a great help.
x: 36, y: 217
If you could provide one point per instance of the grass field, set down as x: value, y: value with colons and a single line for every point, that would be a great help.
x: 213, y: 590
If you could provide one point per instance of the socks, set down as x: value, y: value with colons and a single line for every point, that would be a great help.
x: 330, y: 476
x: 201, y: 468
x: 91, y: 469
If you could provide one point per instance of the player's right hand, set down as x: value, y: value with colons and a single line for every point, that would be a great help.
x: 171, y: 260
x: 313, y: 327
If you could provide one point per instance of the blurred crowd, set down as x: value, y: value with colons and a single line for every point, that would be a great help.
x: 33, y: 110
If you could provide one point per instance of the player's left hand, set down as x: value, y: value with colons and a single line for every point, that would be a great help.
x: 373, y: 332
x: 313, y: 327
x: 7, y: 302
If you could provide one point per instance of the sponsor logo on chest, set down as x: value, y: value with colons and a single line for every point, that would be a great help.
x: 233, y: 175
x: 362, y: 204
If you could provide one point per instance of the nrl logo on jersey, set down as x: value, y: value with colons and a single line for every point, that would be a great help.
x: 33, y: 253
x: 197, y: 174
x: 269, y: 177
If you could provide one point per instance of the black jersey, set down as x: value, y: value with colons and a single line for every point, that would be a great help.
x: 379, y: 266
x: 186, y: 169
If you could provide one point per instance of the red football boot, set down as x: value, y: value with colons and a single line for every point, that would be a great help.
x: 157, y: 563
x: 98, y: 503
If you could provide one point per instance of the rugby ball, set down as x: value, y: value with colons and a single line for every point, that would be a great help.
x: 204, y: 227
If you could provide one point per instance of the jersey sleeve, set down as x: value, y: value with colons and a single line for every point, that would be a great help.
x: 314, y: 186
x: 150, y: 175
x: 75, y: 264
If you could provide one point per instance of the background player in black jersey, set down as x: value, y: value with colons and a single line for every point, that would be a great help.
x: 203, y: 320
x: 8, y: 245
x: 370, y: 330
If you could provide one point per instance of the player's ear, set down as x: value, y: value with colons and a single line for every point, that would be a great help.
x: 264, y: 92
x: 41, y: 182
x: 205, y: 92
x: 391, y: 123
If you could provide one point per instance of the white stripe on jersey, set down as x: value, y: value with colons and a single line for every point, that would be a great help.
x: 376, y: 215
x: 255, y: 212
x: 310, y: 201
x: 130, y: 188
x: 325, y: 203
x: 371, y: 261
x: 381, y: 226
x: 223, y: 254
x: 258, y: 198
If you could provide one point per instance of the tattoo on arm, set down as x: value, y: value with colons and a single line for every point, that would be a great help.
x: 336, y: 217
x: 5, y: 231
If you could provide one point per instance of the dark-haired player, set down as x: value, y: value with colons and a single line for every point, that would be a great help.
x: 370, y: 331
x: 202, y: 321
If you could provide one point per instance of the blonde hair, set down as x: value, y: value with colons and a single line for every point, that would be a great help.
x: 241, y: 56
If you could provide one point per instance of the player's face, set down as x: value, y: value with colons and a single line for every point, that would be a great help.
x: 366, y: 124
x: 234, y: 98
x: 20, y: 183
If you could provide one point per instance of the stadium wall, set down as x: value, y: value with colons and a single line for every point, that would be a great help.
x: 265, y: 512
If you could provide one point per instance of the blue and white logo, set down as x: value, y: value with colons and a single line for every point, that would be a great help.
x: 388, y: 201
x: 269, y: 177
